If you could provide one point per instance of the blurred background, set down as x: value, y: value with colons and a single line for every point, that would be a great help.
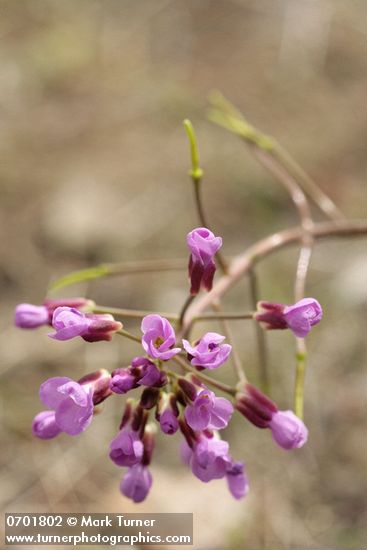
x: 94, y: 169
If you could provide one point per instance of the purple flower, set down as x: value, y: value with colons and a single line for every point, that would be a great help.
x: 302, y: 316
x: 158, y: 337
x: 167, y: 413
x: 299, y: 317
x: 75, y: 303
x: 203, y: 245
x: 237, y: 480
x: 208, y: 411
x: 71, y: 402
x: 209, y: 459
x: 149, y: 374
x: 30, y: 316
x: 142, y: 372
x: 288, y: 430
x: 44, y: 425
x: 136, y: 483
x: 126, y: 449
x: 122, y: 381
x: 168, y: 422
x: 209, y: 352
x: 70, y: 322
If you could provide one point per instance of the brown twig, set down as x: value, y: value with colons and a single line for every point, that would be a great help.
x: 263, y: 248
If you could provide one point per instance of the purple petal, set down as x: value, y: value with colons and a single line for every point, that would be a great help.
x: 150, y: 322
x: 237, y: 480
x: 74, y: 414
x: 49, y: 394
x: 301, y: 316
x: 44, y: 425
x: 185, y: 452
x: 136, y: 483
x: 188, y: 347
x: 126, y: 449
x: 69, y: 323
x: 30, y: 316
x: 198, y: 418
x: 168, y: 422
x: 221, y: 413
x: 288, y: 430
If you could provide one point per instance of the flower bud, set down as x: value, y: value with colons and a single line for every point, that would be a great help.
x: 189, y: 387
x: 136, y: 483
x: 254, y: 405
x: 44, y: 425
x: 139, y: 419
x: 148, y: 374
x: 70, y: 322
x: 122, y: 381
x: 30, y: 316
x: 288, y: 431
x: 203, y: 245
x: 167, y: 413
x: 149, y: 443
x: 126, y: 449
x: 149, y: 398
x: 237, y: 480
x: 299, y: 317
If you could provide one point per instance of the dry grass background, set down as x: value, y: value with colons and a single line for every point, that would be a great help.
x: 94, y: 168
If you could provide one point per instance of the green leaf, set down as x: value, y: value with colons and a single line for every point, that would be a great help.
x: 80, y: 276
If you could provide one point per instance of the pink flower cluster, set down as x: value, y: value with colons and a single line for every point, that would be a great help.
x: 177, y: 403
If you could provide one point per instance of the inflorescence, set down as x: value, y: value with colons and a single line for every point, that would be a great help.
x: 176, y: 402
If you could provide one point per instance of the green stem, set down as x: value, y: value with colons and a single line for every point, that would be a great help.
x: 204, y: 222
x: 196, y: 172
x: 215, y: 383
x: 300, y: 383
x: 134, y: 313
x: 128, y: 335
x: 223, y: 315
x: 123, y: 268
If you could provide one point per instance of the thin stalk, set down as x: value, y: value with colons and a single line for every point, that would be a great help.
x: 321, y: 199
x: 204, y: 222
x: 265, y: 247
x: 225, y: 114
x: 184, y: 308
x: 260, y: 336
x: 224, y: 315
x: 144, y: 266
x: 215, y: 383
x: 300, y: 381
x: 128, y: 335
x: 236, y: 361
x: 133, y: 313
